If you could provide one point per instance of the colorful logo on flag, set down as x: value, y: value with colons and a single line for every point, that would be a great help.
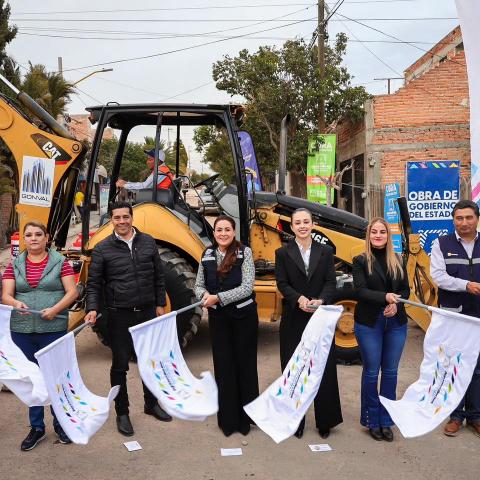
x: 296, y: 376
x: 74, y: 407
x: 171, y: 382
x: 443, y: 379
x: 6, y: 363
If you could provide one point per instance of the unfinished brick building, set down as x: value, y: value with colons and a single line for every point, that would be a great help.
x: 426, y: 119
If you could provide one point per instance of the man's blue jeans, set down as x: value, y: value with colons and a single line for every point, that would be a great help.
x: 381, y: 346
x: 469, y: 408
x: 29, y: 344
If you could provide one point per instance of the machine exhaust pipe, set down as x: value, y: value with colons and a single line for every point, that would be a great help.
x: 282, y: 167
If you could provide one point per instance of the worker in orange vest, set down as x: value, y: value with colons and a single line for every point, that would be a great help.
x: 164, y: 178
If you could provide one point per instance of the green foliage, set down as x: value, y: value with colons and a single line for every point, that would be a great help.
x: 7, y: 32
x: 213, y: 143
x: 275, y: 82
x: 171, y: 155
x: 6, y: 182
x: 49, y: 90
x: 197, y: 177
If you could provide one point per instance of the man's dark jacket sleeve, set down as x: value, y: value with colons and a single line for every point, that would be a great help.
x: 95, y: 281
x: 159, y: 281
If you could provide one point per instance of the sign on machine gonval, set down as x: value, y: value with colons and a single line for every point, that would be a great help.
x: 37, y: 181
x: 433, y: 190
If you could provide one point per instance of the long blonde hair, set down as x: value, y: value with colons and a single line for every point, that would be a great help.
x: 394, y: 261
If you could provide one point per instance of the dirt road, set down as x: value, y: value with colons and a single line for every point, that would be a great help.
x: 185, y: 450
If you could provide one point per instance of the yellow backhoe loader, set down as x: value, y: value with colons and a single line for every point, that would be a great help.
x: 49, y: 160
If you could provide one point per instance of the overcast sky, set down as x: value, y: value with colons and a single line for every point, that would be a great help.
x: 97, y: 33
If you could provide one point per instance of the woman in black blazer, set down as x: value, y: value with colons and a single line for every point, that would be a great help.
x: 305, y: 274
x: 379, y: 278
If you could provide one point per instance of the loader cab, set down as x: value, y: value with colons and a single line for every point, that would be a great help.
x: 122, y: 132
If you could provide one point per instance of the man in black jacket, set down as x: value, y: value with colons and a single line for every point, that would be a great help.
x: 126, y: 269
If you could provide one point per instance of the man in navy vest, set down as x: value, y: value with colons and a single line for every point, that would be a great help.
x: 455, y: 267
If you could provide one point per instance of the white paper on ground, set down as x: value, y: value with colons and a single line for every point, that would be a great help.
x: 231, y: 452
x: 132, y: 446
x: 321, y: 447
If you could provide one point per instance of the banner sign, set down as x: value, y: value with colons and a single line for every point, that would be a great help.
x: 37, y: 181
x: 391, y: 215
x: 468, y: 14
x: 250, y: 161
x: 433, y: 190
x: 104, y: 190
x: 321, y: 164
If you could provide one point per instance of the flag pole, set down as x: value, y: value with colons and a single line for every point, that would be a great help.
x: 415, y: 304
x: 185, y: 309
x: 37, y: 312
x: 77, y: 330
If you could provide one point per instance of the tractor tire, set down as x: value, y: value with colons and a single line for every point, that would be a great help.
x: 346, y: 346
x: 179, y: 283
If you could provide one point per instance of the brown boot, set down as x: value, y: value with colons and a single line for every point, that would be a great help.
x: 452, y: 428
x: 475, y: 426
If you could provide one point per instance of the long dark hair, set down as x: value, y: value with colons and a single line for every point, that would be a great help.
x: 231, y: 254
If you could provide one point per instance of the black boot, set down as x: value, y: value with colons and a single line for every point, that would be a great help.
x: 387, y: 434
x: 124, y: 425
x: 376, y: 433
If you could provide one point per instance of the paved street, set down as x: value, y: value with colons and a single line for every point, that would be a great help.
x: 185, y: 450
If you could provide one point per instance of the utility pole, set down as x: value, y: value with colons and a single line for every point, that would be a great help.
x: 60, y: 66
x: 321, y: 61
x: 388, y: 81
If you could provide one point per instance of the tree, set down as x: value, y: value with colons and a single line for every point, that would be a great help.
x: 275, y: 82
x: 7, y: 32
x: 213, y: 143
x: 48, y: 89
x: 133, y: 166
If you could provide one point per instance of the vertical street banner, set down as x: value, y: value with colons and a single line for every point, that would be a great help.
x: 250, y: 161
x: 433, y: 190
x: 320, y: 165
x: 468, y: 14
x: 391, y: 215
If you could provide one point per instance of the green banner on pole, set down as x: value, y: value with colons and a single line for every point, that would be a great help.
x: 321, y: 164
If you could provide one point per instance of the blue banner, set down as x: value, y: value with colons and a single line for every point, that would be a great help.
x: 391, y: 215
x: 250, y: 161
x: 433, y: 191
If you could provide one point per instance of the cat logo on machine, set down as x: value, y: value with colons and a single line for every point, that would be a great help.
x: 322, y: 240
x: 51, y: 149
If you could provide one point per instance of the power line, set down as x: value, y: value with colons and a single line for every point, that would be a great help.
x: 75, y: 37
x: 398, y: 39
x: 220, y: 20
x: 177, y: 50
x: 212, y: 7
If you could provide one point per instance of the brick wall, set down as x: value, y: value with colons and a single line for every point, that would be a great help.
x: 428, y: 119
x: 6, y: 205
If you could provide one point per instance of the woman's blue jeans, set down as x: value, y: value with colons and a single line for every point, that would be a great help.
x: 381, y: 346
x: 29, y: 344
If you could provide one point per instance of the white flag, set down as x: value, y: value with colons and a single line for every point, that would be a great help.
x: 165, y: 373
x: 19, y: 374
x: 80, y: 412
x: 279, y: 409
x: 450, y: 352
